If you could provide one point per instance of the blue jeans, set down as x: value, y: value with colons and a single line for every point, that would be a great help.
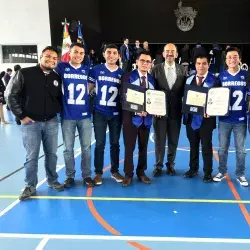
x: 33, y: 134
x: 100, y: 125
x: 239, y: 131
x: 68, y: 131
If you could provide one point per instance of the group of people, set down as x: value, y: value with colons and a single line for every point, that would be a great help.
x: 39, y: 93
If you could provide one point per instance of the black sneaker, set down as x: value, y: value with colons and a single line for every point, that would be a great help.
x: 69, y: 182
x: 157, y: 172
x: 56, y: 186
x: 207, y: 178
x: 190, y: 174
x: 89, y: 182
x: 27, y: 192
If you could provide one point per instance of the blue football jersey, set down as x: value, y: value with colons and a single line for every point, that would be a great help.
x: 75, y: 91
x: 108, y: 83
x: 238, y: 85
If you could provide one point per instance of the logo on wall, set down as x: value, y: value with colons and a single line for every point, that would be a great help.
x: 185, y: 17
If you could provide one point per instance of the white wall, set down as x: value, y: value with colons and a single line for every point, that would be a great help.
x: 24, y: 22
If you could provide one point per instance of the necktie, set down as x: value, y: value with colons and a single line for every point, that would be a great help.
x: 127, y: 53
x: 170, y: 77
x: 200, y: 78
x: 197, y: 119
x: 143, y: 82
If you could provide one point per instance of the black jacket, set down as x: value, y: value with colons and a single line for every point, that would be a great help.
x: 35, y: 94
x: 174, y: 96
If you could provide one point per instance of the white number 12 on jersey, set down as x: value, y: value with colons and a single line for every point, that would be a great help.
x: 78, y: 100
x: 111, y: 90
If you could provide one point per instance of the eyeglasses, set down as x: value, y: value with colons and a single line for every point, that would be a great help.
x: 142, y: 61
x: 232, y: 57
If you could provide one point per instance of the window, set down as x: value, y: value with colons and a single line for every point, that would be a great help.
x: 19, y: 54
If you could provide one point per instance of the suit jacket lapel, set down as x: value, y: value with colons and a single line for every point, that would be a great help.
x: 164, y: 75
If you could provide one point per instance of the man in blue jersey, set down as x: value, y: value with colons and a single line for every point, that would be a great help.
x: 76, y: 114
x: 107, y: 111
x: 238, y: 82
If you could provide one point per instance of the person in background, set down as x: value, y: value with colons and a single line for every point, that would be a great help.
x: 2, y: 100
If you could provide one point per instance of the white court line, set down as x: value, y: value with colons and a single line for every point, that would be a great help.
x: 123, y: 238
x: 13, y: 204
x: 42, y: 243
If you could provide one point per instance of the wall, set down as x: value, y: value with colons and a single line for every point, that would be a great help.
x: 24, y: 22
x: 223, y: 21
x: 87, y: 11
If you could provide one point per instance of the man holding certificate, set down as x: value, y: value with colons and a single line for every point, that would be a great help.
x: 200, y: 127
x: 137, y: 124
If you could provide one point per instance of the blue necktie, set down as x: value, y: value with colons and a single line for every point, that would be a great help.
x: 127, y: 53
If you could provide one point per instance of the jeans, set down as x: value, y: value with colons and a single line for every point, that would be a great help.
x: 239, y: 131
x: 33, y: 134
x: 100, y: 125
x: 68, y: 131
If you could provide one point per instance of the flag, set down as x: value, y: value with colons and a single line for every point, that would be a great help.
x: 79, y: 34
x: 66, y: 42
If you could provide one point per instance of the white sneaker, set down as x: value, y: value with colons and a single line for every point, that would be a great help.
x: 219, y: 177
x: 242, y: 180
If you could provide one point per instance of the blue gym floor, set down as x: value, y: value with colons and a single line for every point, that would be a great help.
x: 171, y: 213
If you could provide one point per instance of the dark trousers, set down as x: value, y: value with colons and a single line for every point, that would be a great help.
x: 130, y: 135
x: 100, y: 126
x: 195, y: 137
x: 166, y: 128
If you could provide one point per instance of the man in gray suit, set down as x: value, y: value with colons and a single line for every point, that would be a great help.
x: 170, y: 77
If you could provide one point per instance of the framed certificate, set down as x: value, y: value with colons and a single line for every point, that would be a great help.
x: 211, y: 101
x: 155, y: 102
x: 218, y: 101
x: 133, y: 98
x: 194, y: 100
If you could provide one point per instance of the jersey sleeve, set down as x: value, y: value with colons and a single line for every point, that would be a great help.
x: 59, y: 69
x: 92, y: 76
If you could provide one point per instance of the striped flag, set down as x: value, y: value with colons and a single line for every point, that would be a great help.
x: 66, y: 42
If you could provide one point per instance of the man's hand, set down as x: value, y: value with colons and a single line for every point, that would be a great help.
x: 26, y: 120
x: 206, y: 116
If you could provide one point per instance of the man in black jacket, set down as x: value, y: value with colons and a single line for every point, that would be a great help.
x: 169, y: 77
x: 35, y: 99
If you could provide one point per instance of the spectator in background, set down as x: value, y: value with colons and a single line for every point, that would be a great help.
x: 145, y: 46
x: 93, y: 59
x: 6, y: 78
x: 126, y: 56
x: 137, y: 50
x: 2, y: 101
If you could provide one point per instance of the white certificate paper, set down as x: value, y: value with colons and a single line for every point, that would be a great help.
x: 196, y: 98
x: 156, y: 102
x: 135, y: 97
x: 218, y: 101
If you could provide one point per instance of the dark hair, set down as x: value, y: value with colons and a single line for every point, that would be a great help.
x: 2, y: 74
x: 111, y: 46
x: 233, y: 49
x: 201, y: 56
x: 51, y: 49
x: 80, y: 45
x: 17, y: 67
x: 124, y: 39
x: 9, y: 70
x: 144, y: 52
